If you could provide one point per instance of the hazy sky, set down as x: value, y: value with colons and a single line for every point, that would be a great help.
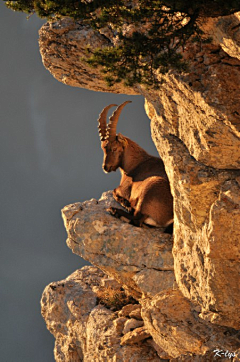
x: 50, y: 157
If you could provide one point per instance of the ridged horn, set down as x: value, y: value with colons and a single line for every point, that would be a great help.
x: 102, y: 122
x: 112, y: 126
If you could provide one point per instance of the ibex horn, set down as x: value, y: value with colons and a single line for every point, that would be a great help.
x: 102, y: 122
x: 112, y: 126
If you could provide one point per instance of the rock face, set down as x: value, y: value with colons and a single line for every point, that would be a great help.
x: 195, y: 126
x: 162, y: 324
x: 135, y: 257
x: 188, y: 285
x: 86, y: 330
x: 60, y: 39
x: 206, y: 231
x: 174, y: 324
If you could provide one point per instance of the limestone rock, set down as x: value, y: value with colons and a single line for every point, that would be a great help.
x: 131, y: 324
x: 135, y: 336
x: 201, y: 108
x: 206, y: 231
x: 84, y: 330
x: 127, y: 310
x: 195, y: 124
x: 63, y: 46
x: 110, y: 283
x: 136, y: 313
x: 119, y: 324
x: 236, y: 356
x: 175, y: 326
x: 104, y: 241
x: 103, y: 342
x: 226, y: 32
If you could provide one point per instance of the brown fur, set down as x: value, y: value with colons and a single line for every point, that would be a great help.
x: 144, y: 189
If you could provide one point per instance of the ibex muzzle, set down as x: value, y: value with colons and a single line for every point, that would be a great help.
x: 113, y: 152
x: 144, y: 189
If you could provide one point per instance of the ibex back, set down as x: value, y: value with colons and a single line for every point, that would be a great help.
x: 144, y: 190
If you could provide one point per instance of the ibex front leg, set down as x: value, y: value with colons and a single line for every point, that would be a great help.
x: 121, y: 200
x: 122, y: 193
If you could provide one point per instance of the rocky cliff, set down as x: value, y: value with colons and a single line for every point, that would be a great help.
x: 185, y: 287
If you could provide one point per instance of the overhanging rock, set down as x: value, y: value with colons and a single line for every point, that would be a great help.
x: 139, y: 259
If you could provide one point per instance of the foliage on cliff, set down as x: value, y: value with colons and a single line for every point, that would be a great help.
x: 148, y: 34
x: 113, y: 298
x: 84, y: 8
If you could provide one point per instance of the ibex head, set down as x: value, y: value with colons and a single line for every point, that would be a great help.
x: 112, y: 144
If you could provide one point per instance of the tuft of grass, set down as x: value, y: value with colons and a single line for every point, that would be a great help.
x: 114, y: 299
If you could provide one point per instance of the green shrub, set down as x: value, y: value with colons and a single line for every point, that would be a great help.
x: 160, y: 31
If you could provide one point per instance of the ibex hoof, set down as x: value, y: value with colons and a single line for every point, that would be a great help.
x: 121, y: 200
x: 112, y: 211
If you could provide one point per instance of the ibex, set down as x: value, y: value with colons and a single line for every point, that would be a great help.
x: 144, y: 190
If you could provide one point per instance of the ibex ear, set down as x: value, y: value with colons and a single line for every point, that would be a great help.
x: 122, y: 139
